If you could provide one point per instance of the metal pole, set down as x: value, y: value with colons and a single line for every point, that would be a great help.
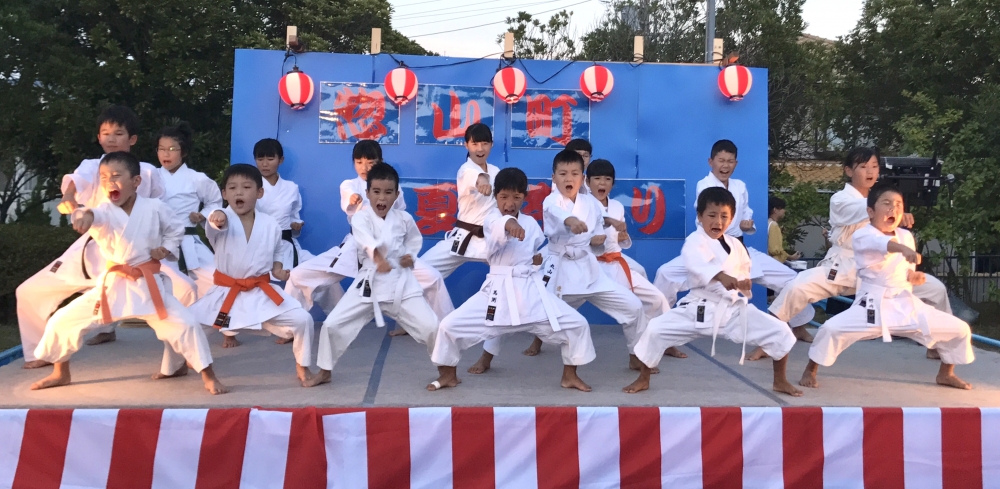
x: 709, y: 30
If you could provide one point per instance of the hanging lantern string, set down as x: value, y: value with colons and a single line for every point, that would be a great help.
x: 542, y: 82
x: 442, y: 65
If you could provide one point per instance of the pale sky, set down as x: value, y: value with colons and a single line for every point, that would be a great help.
x: 416, y: 18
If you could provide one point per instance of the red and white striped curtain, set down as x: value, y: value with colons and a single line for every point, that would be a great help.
x: 441, y: 448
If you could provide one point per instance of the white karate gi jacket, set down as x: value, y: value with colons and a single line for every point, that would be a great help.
x: 283, y: 202
x: 393, y: 237
x: 739, y: 191
x: 882, y: 284
x: 186, y: 191
x: 571, y: 264
x: 472, y: 206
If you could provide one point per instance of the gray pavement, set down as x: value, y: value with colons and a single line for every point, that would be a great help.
x: 377, y: 371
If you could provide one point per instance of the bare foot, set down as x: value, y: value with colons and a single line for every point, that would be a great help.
x: 570, y: 380
x: 535, y: 348
x: 786, y: 387
x: 397, y: 331
x: 482, y: 365
x: 230, y: 342
x: 635, y: 364
x: 36, y: 364
x: 322, y: 377
x: 279, y: 340
x: 757, y: 354
x: 59, y: 376
x: 641, y: 383
x: 675, y: 352
x: 102, y: 338
x: 179, y: 373
x: 946, y: 376
x: 802, y: 334
x: 447, y: 377
x: 932, y: 354
x: 302, y: 373
x: 212, y: 383
x: 809, y: 375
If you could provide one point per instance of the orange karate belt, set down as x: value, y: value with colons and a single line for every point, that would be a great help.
x: 617, y: 257
x: 146, y: 270
x: 237, y: 285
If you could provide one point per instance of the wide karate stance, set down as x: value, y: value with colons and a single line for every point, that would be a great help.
x: 133, y: 234
x: 719, y: 271
x: 885, y: 304
x: 247, y: 253
x: 513, y: 297
x: 388, y: 240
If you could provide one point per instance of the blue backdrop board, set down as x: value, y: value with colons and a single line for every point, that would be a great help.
x: 657, y: 127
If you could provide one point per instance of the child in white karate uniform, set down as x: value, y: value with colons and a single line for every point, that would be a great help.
x: 387, y: 240
x: 717, y: 306
x: 513, y: 298
x: 475, y: 199
x: 281, y: 200
x: 574, y: 225
x: 192, y: 196
x: 133, y: 234
x: 78, y: 267
x: 766, y: 271
x: 319, y: 278
x: 885, y: 305
x: 246, y: 246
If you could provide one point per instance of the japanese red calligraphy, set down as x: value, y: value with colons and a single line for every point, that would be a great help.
x: 456, y: 128
x: 643, y: 205
x: 537, y: 192
x: 437, y: 206
x: 539, y: 119
x: 360, y: 114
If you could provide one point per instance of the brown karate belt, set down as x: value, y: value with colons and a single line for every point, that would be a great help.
x: 473, y: 230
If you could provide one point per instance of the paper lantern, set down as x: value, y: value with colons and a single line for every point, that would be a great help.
x: 401, y: 85
x: 296, y: 89
x: 596, y: 82
x: 509, y: 84
x: 735, y: 82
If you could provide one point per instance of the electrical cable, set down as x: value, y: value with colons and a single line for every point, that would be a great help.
x: 497, y: 22
x: 493, y: 9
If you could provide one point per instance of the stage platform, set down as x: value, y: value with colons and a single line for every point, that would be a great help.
x: 379, y: 371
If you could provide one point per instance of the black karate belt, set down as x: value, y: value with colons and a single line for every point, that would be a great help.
x: 473, y: 230
x: 287, y: 236
x: 181, y: 262
x: 83, y: 258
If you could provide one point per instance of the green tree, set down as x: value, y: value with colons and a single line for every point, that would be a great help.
x: 535, y: 40
x: 673, y: 31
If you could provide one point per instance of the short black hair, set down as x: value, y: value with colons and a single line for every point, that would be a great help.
x: 121, y: 116
x: 382, y: 171
x: 478, y: 133
x: 368, y: 149
x: 127, y: 159
x: 723, y: 145
x: 183, y: 134
x: 268, y: 147
x: 511, y: 179
x: 878, y: 190
x: 774, y: 203
x: 718, y: 196
x: 601, y: 168
x: 566, y: 156
x: 859, y: 156
x: 580, y: 144
x: 244, y: 170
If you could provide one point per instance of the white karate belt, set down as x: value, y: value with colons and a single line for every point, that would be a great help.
x: 503, y: 277
x: 558, y: 251
x: 874, y: 297
x: 841, y: 260
x: 721, y: 305
x: 367, y: 275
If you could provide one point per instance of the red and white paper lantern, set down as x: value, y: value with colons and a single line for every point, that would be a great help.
x: 296, y: 89
x: 509, y: 84
x: 401, y: 85
x: 596, y: 82
x: 735, y: 82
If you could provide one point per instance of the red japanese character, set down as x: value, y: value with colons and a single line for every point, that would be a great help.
x: 533, y: 201
x: 539, y: 117
x: 456, y: 129
x: 359, y: 115
x: 437, y: 206
x: 641, y: 207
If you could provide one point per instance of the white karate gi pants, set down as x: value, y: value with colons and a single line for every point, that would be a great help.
x: 950, y: 336
x: 344, y: 323
x: 439, y: 257
x: 37, y: 298
x: 679, y: 326
x: 201, y: 279
x: 621, y: 304
x: 466, y: 327
x: 296, y: 324
x: 182, y: 338
x: 653, y: 301
x: 181, y: 286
